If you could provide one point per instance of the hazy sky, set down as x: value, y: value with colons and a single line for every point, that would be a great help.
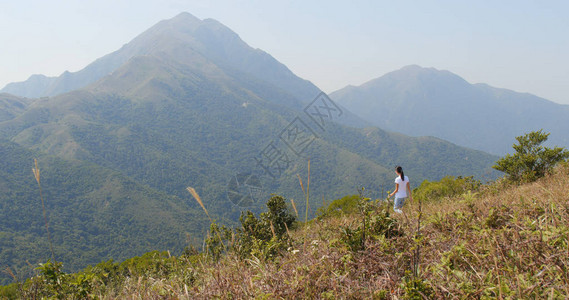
x: 519, y: 45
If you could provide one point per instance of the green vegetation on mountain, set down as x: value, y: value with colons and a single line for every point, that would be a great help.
x: 502, y: 241
x: 118, y: 155
x: 11, y: 106
x: 94, y: 213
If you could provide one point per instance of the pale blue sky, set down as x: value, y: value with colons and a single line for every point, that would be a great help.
x: 519, y: 45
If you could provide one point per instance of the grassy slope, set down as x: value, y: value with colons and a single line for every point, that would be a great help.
x: 506, y: 241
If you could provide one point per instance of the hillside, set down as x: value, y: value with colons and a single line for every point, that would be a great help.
x: 179, y: 115
x: 428, y: 102
x: 504, y: 241
x: 94, y: 213
x: 11, y: 106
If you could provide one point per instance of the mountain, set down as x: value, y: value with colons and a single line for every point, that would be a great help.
x: 209, y: 37
x: 195, y: 106
x: 36, y: 86
x: 428, y: 102
x: 11, y: 106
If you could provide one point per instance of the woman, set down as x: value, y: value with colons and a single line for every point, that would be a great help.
x: 402, y: 190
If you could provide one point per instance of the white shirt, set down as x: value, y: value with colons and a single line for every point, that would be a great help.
x: 402, y: 184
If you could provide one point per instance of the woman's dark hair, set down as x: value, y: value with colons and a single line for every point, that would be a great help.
x: 399, y: 170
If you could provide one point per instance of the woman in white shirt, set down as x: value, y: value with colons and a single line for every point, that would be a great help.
x: 402, y: 190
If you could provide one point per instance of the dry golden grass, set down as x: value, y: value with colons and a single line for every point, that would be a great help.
x: 505, y: 242
x: 36, y: 171
x: 294, y: 207
x: 199, y: 200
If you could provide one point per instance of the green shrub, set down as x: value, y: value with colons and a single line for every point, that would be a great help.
x: 266, y: 235
x: 278, y: 216
x: 154, y: 263
x: 416, y: 288
x: 345, y: 205
x: 107, y: 272
x: 377, y: 224
x: 9, y: 291
x: 82, y: 284
x: 531, y: 160
x: 217, y: 240
x: 352, y: 238
x: 383, y: 224
x: 380, y: 295
x: 52, y: 277
x: 448, y: 186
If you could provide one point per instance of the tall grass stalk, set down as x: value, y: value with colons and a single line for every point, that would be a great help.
x: 273, y: 229
x: 363, y: 207
x: 307, y: 195
x: 418, y: 241
x: 301, y: 185
x: 287, y: 231
x: 36, y: 171
x: 199, y: 200
x: 294, y: 205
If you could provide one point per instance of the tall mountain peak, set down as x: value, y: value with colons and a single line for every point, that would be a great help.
x: 208, y: 37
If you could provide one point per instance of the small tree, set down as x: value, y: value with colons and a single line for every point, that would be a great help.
x: 266, y: 235
x: 531, y: 160
x: 278, y: 215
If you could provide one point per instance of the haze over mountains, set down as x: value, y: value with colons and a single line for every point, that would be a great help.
x: 208, y: 37
x: 428, y: 102
x: 186, y: 103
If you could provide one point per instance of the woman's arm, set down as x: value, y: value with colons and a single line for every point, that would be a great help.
x: 409, y: 190
x: 396, y: 189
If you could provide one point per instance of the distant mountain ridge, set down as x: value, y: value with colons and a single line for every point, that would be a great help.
x: 11, y: 106
x: 428, y: 102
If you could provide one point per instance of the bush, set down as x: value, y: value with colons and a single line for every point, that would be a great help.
x: 531, y: 160
x: 53, y: 278
x: 376, y: 225
x: 217, y: 240
x: 266, y: 235
x: 449, y: 186
x: 416, y: 288
x: 9, y: 291
x: 278, y: 216
x: 345, y: 205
